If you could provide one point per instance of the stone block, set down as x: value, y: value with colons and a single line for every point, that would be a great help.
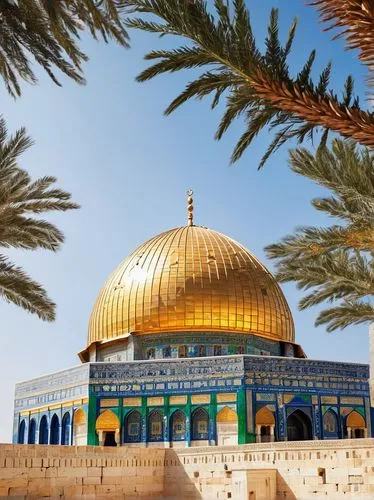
x: 91, y: 480
x: 36, y: 472
x: 337, y: 475
x: 11, y: 473
x: 94, y: 471
x: 355, y: 480
x: 113, y: 471
x: 72, y: 472
x: 16, y: 482
x: 64, y: 481
x: 17, y: 492
x: 105, y: 490
x: 312, y: 480
x: 72, y: 491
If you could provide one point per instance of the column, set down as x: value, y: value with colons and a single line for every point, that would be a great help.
x: 212, y: 430
x: 92, y: 438
x: 144, y: 423
x: 349, y: 433
x: 59, y: 430
x: 188, y: 421
x: 166, y: 422
x: 272, y: 433
x: 258, y: 433
x: 120, y: 418
x: 242, y: 416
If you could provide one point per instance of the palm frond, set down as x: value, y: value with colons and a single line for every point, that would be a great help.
x: 257, y: 84
x: 21, y: 197
x: 18, y: 288
x: 335, y: 263
x: 49, y: 33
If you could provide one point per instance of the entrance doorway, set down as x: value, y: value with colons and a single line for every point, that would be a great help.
x: 109, y: 439
x: 299, y: 426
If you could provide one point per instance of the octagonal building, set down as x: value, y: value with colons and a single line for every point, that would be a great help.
x: 191, y: 342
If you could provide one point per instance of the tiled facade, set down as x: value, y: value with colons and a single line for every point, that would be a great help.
x: 189, y: 402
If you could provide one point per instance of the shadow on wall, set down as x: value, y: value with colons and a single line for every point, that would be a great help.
x: 178, y: 484
x: 283, y: 490
x: 199, y: 480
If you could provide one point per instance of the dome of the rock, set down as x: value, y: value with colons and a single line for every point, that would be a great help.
x: 190, y: 279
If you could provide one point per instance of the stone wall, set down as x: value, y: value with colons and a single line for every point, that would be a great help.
x: 38, y: 471
x: 304, y: 470
x: 268, y: 471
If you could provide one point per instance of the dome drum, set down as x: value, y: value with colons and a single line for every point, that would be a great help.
x: 174, y: 345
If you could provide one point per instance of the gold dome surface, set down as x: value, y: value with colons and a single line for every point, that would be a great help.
x: 191, y: 279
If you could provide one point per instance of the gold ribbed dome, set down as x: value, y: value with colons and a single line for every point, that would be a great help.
x: 191, y: 279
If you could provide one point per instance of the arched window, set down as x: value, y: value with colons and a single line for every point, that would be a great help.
x: 202, y: 351
x: 43, y: 430
x: 182, y: 351
x: 66, y: 429
x: 166, y: 352
x: 55, y: 424
x: 79, y: 427
x: 108, y: 428
x: 299, y: 426
x: 217, y: 350
x: 227, y: 427
x: 200, y: 424
x: 132, y: 427
x: 21, y: 432
x: 155, y: 426
x: 330, y: 424
x: 178, y: 426
x: 265, y: 425
x: 151, y: 353
x: 32, y: 432
x: 356, y: 425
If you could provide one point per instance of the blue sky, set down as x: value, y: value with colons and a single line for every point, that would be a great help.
x: 129, y: 167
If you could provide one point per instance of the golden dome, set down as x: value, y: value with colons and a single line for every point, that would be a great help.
x: 190, y: 279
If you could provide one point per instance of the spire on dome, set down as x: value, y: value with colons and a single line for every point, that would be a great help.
x: 189, y: 193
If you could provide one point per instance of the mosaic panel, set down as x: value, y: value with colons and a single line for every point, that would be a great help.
x: 132, y: 401
x: 155, y: 401
x: 107, y: 403
x: 178, y: 400
x: 260, y: 396
x: 226, y: 398
x: 329, y: 400
x: 351, y: 400
x: 197, y: 399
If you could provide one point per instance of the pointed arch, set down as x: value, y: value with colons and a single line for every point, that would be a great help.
x: 330, y: 424
x: 178, y: 429
x: 79, y: 427
x: 265, y: 425
x: 32, y: 432
x: 199, y: 424
x: 265, y: 417
x: 227, y: 426
x: 66, y: 429
x: 55, y: 430
x: 155, y: 426
x: 108, y: 428
x: 227, y: 415
x: 132, y: 427
x: 107, y: 421
x: 355, y: 420
x: 356, y: 425
x: 299, y: 426
x: 43, y: 430
x: 21, y: 432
